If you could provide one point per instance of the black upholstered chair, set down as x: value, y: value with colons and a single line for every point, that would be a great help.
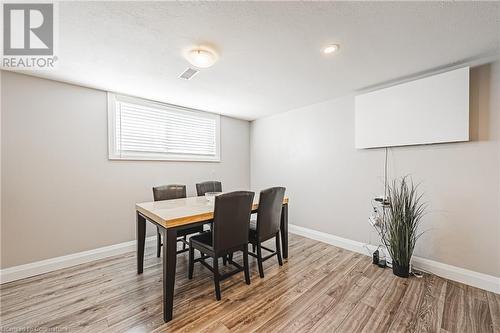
x: 267, y: 225
x: 229, y: 234
x: 168, y: 192
x: 210, y: 186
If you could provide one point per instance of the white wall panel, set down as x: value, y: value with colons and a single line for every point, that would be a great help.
x: 434, y: 109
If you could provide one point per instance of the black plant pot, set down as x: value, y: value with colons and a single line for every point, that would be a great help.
x: 401, y: 271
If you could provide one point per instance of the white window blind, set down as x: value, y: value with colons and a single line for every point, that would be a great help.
x: 141, y: 129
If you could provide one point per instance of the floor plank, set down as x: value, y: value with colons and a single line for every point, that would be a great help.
x: 455, y: 305
x: 384, y: 312
x: 405, y: 319
x: 320, y: 288
x: 494, y: 304
x: 430, y: 309
x: 314, y: 302
x: 478, y: 316
x: 347, y: 296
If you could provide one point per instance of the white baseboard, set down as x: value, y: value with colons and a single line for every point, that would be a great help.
x: 454, y: 273
x: 52, y: 264
x: 458, y: 274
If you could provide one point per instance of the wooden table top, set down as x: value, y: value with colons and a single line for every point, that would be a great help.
x: 178, y: 212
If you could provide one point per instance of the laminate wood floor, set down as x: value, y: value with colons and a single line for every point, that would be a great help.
x: 320, y: 288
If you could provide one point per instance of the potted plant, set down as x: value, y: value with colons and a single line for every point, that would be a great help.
x: 399, y: 230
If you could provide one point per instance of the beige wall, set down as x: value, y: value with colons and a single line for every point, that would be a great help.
x: 311, y: 151
x: 60, y: 193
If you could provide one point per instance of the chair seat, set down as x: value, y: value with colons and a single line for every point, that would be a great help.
x: 202, y: 241
x: 253, y: 236
x: 252, y: 231
x: 253, y: 224
x: 189, y: 231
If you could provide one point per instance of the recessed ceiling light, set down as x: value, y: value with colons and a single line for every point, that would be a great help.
x: 332, y: 48
x: 201, y: 57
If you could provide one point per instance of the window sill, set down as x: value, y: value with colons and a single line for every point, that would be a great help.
x: 165, y: 158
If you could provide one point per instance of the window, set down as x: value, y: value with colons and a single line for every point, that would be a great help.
x: 146, y: 130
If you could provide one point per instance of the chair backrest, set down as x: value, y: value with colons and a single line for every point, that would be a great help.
x: 231, y: 220
x: 269, y: 211
x: 210, y: 186
x: 167, y: 192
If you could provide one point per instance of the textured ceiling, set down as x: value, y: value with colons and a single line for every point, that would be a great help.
x: 270, y: 59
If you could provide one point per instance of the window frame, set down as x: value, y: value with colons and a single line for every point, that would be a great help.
x: 115, y: 154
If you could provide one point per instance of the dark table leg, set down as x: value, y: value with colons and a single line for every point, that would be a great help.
x: 284, y: 230
x: 169, y: 261
x: 141, y: 238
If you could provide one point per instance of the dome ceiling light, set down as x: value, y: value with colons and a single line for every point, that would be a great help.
x: 201, y: 57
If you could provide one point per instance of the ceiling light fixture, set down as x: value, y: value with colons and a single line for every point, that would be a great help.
x: 332, y: 48
x: 201, y: 57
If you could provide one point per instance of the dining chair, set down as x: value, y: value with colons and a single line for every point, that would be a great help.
x: 209, y: 186
x: 267, y: 225
x: 168, y: 192
x: 229, y: 234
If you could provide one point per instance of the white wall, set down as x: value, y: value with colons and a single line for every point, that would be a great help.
x: 60, y: 193
x: 330, y: 183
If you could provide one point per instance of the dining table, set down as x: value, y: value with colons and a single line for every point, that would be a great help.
x: 173, y: 215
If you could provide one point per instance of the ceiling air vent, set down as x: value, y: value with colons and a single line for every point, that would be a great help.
x: 188, y: 74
